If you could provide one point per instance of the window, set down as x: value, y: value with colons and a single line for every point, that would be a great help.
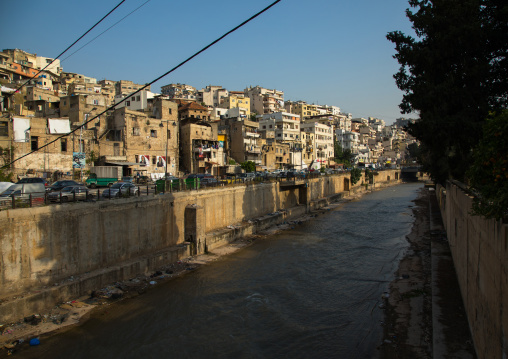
x: 153, y: 133
x: 154, y: 160
x: 133, y: 98
x: 4, y: 129
x: 138, y: 98
x: 170, y: 112
x: 95, y: 102
x: 169, y: 134
x: 35, y: 143
x: 135, y: 131
x: 128, y: 103
x: 63, y: 145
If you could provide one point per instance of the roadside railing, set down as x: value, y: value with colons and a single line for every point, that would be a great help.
x: 153, y: 189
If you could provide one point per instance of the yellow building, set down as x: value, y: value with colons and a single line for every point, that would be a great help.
x: 236, y: 99
x: 301, y: 108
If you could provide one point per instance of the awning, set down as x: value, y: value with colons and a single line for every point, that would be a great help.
x: 126, y: 163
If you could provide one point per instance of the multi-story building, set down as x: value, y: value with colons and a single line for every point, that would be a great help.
x: 200, y: 147
x: 78, y: 107
x: 302, y: 108
x: 264, y: 101
x: 142, y: 101
x: 141, y: 142
x: 276, y: 155
x: 182, y: 92
x: 212, y: 96
x: 245, y: 141
x: 125, y: 87
x: 192, y: 110
x: 42, y: 102
x: 286, y: 126
x: 237, y: 100
x: 323, y: 142
x: 108, y: 91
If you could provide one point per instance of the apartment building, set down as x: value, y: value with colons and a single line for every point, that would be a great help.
x: 323, y: 142
x: 125, y: 87
x: 286, y: 126
x: 201, y: 151
x: 236, y: 100
x: 182, y: 92
x: 212, y: 96
x: 245, y: 141
x: 263, y: 101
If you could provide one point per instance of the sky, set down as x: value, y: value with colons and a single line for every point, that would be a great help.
x: 320, y: 51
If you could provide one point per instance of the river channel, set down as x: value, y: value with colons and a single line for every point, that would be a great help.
x: 313, y: 291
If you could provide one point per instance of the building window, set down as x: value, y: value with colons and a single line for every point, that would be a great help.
x: 128, y: 103
x: 135, y: 131
x: 4, y: 129
x: 169, y: 134
x: 154, y: 160
x: 35, y: 143
x: 138, y: 98
x: 95, y: 102
x: 63, y: 145
x: 170, y: 112
x: 153, y: 133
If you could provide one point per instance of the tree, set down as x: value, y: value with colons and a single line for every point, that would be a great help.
x: 488, y: 174
x: 453, y: 74
x: 248, y: 166
x: 342, y: 156
x: 355, y: 175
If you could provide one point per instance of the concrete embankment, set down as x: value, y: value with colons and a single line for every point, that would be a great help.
x: 479, y: 248
x: 57, y: 253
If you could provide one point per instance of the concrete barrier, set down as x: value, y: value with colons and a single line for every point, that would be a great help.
x: 480, y: 254
x: 99, y: 243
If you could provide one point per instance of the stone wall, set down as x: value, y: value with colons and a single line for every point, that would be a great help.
x: 480, y: 254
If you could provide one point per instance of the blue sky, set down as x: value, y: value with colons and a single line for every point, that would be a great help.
x: 320, y: 51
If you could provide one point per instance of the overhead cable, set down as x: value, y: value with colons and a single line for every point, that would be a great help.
x: 150, y: 83
x: 109, y: 28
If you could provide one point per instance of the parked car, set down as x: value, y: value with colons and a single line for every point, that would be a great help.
x: 128, y: 179
x: 209, y: 180
x: 33, y: 180
x: 247, y: 176
x: 70, y: 193
x: 23, y: 191
x: 59, y: 185
x: 121, y: 189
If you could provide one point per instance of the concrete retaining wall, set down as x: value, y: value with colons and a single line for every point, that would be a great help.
x: 95, y: 244
x: 480, y: 254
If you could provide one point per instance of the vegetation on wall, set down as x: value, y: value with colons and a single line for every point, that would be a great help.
x: 248, y: 166
x: 356, y: 175
x: 488, y: 174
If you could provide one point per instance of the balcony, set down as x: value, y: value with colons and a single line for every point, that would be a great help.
x: 251, y: 134
x: 253, y: 149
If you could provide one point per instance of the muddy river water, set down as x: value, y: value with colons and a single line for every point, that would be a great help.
x: 313, y: 291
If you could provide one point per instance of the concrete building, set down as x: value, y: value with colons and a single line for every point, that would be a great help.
x: 302, y: 108
x: 140, y: 102
x: 200, y: 148
x: 245, y: 141
x: 286, y: 126
x: 77, y: 107
x: 140, y: 141
x: 192, y: 110
x: 42, y: 103
x: 212, y: 96
x: 125, y: 87
x: 264, y: 101
x: 323, y: 142
x: 182, y: 92
x: 237, y: 100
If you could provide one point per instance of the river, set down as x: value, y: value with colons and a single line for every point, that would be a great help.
x: 313, y: 291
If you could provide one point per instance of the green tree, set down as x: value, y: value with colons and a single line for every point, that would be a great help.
x: 355, y: 175
x: 342, y: 156
x: 248, y: 166
x: 453, y: 74
x: 488, y: 174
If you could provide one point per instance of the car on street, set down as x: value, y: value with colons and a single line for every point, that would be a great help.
x: 71, y: 193
x: 33, y: 180
x: 121, y: 189
x: 59, y: 185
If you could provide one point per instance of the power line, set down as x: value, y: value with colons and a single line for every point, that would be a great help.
x: 97, y: 23
x: 150, y: 83
x: 109, y: 28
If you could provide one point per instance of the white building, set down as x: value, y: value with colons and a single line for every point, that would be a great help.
x: 285, y: 125
x: 323, y: 142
